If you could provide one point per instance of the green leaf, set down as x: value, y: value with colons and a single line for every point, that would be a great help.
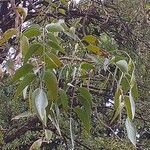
x: 51, y: 84
x: 90, y: 39
x: 36, y: 145
x: 125, y: 84
x: 117, y: 104
x: 131, y: 131
x: 26, y: 81
x: 84, y: 117
x: 55, y: 46
x: 32, y: 31
x: 63, y: 99
x: 87, y: 66
x: 24, y: 45
x: 21, y: 72
x: 41, y: 102
x: 34, y: 49
x: 134, y: 91
x: 71, y: 33
x: 52, y: 37
x: 55, y: 27
x: 52, y: 61
x: 84, y: 92
x: 122, y: 65
x: 7, y: 35
x: 128, y: 107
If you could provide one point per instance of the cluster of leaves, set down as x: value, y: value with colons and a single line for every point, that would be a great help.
x: 58, y: 71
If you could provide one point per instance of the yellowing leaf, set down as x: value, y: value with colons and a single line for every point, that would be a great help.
x: 7, y: 35
x: 90, y: 39
x: 22, y: 11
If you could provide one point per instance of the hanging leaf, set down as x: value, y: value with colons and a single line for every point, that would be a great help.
x: 24, y: 45
x: 7, y: 35
x: 51, y: 84
x: 52, y: 37
x: 52, y: 61
x: 128, y: 107
x: 96, y: 50
x: 26, y: 81
x: 122, y: 65
x: 132, y: 103
x: 21, y: 72
x: 32, y: 31
x: 36, y: 145
x: 35, y: 48
x: 125, y: 84
x: 134, y: 91
x: 84, y: 117
x: 84, y: 92
x: 131, y: 131
x: 63, y: 99
x: 41, y: 102
x: 90, y: 39
x: 55, y: 46
x: 117, y: 104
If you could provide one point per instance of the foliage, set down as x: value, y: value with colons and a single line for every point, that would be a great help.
x: 75, y: 67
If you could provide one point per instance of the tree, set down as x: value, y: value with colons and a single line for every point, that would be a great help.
x: 74, y: 66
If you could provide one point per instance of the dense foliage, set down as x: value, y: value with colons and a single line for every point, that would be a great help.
x: 74, y: 75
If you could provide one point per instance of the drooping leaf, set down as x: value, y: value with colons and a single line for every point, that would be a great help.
x: 41, y: 102
x: 55, y: 46
x: 131, y: 131
x: 52, y: 61
x: 52, y: 37
x: 134, y: 91
x: 35, y: 48
x: 132, y: 103
x: 63, y: 99
x: 24, y: 45
x: 84, y: 118
x: 128, y: 107
x: 84, y: 92
x: 26, y: 81
x: 7, y: 35
x: 21, y: 72
x: 32, y: 31
x: 125, y: 84
x: 36, y: 145
x: 122, y: 65
x: 51, y: 84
